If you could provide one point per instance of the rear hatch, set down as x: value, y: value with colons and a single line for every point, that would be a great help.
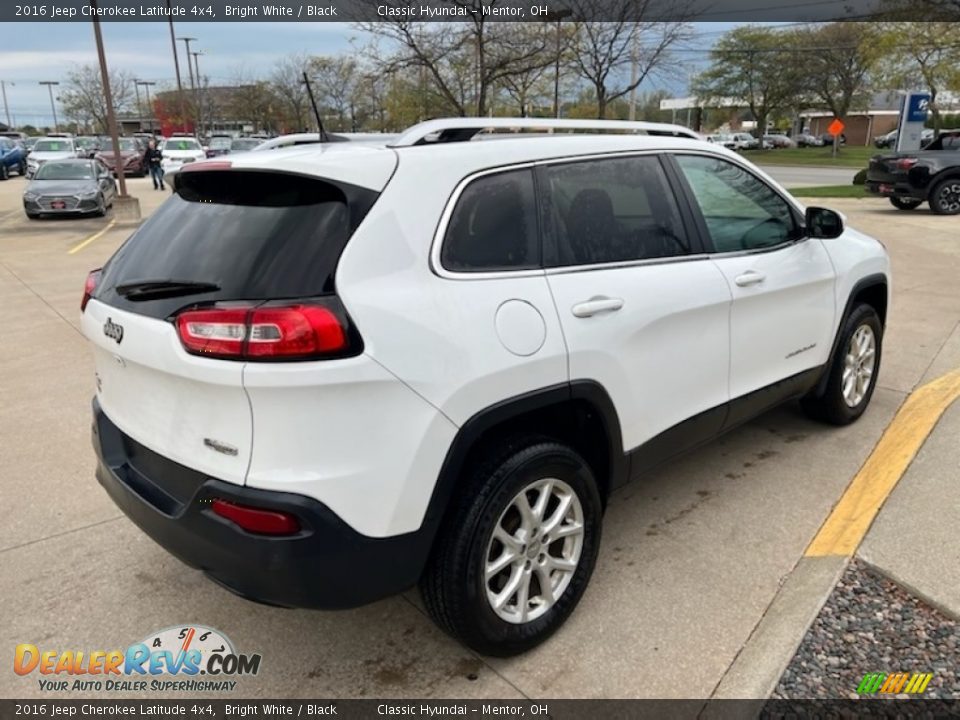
x: 227, y: 238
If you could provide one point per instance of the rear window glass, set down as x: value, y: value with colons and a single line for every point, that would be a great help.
x: 494, y: 225
x: 255, y: 235
x: 52, y: 146
x: 184, y: 145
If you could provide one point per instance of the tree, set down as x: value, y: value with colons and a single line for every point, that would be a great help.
x: 618, y: 55
x: 838, y: 60
x: 82, y: 96
x: 335, y: 85
x: 751, y: 65
x: 465, y: 61
x: 291, y: 92
x: 925, y: 54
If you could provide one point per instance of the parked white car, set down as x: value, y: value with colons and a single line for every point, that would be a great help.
x: 50, y: 148
x: 178, y: 151
x: 329, y: 373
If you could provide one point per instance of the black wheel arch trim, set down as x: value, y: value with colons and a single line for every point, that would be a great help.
x: 869, y: 281
x: 502, y: 412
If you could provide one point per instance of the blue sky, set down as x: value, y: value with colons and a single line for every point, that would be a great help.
x: 32, y: 52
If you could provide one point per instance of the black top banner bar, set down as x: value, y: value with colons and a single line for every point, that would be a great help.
x: 460, y: 10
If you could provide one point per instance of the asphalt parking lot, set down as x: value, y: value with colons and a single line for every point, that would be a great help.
x: 692, y: 557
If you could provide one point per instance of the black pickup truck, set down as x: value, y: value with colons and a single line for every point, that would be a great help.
x: 929, y: 175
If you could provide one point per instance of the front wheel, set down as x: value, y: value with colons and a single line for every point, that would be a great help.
x: 4, y: 172
x: 853, y: 372
x: 905, y: 203
x: 945, y: 197
x: 22, y: 169
x: 518, y: 551
x: 101, y: 206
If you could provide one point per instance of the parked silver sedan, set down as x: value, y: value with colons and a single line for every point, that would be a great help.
x: 70, y: 187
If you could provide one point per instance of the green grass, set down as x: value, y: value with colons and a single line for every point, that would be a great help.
x: 854, y: 157
x: 832, y: 191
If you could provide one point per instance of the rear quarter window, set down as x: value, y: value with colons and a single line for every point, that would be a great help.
x: 493, y: 226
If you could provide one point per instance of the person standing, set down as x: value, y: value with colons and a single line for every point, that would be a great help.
x: 151, y: 158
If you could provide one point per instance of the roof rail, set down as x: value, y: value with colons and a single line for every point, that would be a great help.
x: 463, y: 129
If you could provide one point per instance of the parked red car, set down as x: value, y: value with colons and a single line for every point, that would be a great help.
x: 131, y: 157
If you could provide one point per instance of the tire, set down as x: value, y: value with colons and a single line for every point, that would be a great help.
x: 842, y: 404
x: 22, y: 169
x: 945, y: 197
x: 101, y: 207
x: 4, y: 172
x: 905, y: 203
x: 454, y: 586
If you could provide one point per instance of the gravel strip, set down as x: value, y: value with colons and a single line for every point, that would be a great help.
x: 870, y: 624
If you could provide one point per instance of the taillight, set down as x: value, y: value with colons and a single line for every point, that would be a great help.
x: 88, y: 287
x: 906, y: 163
x: 266, y: 332
x: 257, y: 520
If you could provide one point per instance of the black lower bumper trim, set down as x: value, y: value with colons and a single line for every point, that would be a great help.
x: 326, y: 565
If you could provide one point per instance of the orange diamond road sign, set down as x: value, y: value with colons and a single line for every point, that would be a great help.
x: 836, y: 127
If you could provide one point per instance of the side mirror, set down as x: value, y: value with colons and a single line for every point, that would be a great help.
x: 823, y: 223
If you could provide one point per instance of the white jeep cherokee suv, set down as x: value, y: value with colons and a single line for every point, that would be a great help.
x: 328, y: 373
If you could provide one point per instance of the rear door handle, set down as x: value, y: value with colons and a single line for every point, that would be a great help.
x: 750, y: 277
x: 596, y: 305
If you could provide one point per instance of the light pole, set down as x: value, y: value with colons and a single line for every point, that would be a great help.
x: 193, y: 90
x: 196, y: 54
x: 136, y: 89
x: 146, y: 86
x: 176, y: 67
x: 558, y: 16
x: 108, y: 96
x: 6, y: 108
x: 53, y: 107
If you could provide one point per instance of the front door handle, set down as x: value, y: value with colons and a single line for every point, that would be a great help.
x: 750, y: 277
x: 595, y: 305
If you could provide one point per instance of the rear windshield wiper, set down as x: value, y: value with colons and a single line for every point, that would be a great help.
x: 153, y: 289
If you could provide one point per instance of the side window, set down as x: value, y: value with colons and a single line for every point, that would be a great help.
x: 611, y: 210
x: 494, y: 225
x: 741, y: 211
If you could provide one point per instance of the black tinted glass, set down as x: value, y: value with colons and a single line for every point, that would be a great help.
x: 257, y: 236
x: 612, y: 210
x: 494, y: 225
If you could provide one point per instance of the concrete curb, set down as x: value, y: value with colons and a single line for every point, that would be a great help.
x: 768, y: 651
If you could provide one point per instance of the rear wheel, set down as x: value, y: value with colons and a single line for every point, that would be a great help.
x: 905, y: 203
x: 853, y: 373
x: 22, y: 168
x: 4, y: 172
x: 517, y: 553
x: 945, y: 197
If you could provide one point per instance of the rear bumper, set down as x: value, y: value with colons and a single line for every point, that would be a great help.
x: 894, y: 189
x: 326, y: 565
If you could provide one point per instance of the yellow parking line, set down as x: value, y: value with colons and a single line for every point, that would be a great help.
x: 84, y: 243
x: 847, y: 525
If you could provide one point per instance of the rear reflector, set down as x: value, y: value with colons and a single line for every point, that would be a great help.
x: 257, y: 520
x: 88, y: 287
x: 268, y: 332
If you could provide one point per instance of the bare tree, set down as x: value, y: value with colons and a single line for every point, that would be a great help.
x: 287, y: 82
x: 605, y: 51
x: 465, y: 62
x: 82, y: 96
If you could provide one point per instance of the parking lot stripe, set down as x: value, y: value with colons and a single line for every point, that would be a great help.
x: 845, y: 528
x: 84, y: 243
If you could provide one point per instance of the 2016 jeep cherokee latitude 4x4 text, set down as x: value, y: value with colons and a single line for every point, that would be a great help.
x: 328, y: 373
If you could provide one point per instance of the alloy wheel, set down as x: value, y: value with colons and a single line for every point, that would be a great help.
x: 533, y: 551
x: 859, y: 364
x: 949, y: 197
